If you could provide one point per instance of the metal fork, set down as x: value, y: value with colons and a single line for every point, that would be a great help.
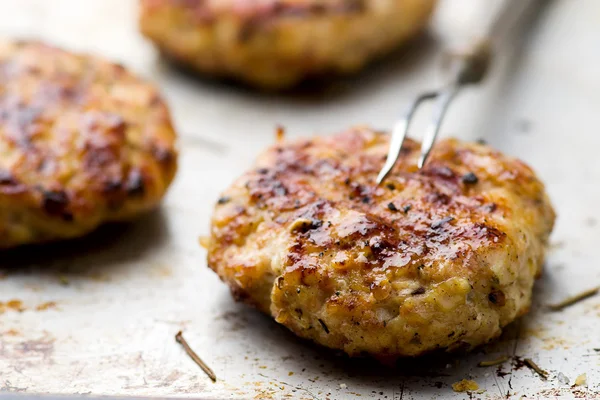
x: 468, y: 65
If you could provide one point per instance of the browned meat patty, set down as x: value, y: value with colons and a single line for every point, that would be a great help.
x: 276, y: 43
x: 438, y: 258
x: 82, y: 142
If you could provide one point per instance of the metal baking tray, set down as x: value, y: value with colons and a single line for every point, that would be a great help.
x: 99, y: 315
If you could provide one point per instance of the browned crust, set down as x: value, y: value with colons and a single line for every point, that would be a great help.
x: 83, y: 141
x: 308, y: 237
x: 277, y: 44
x: 258, y: 12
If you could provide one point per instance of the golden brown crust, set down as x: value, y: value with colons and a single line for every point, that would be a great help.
x: 438, y: 258
x: 275, y: 44
x: 83, y: 141
x: 204, y: 11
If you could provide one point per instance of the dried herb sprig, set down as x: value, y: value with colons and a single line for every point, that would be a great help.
x: 492, y: 363
x: 569, y: 301
x: 532, y: 365
x: 179, y: 338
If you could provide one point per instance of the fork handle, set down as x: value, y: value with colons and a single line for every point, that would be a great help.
x: 470, y: 61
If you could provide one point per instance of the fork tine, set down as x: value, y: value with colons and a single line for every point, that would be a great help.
x: 399, y: 134
x: 441, y: 106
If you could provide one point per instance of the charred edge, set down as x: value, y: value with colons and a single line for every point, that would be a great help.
x: 282, y: 10
x: 470, y: 179
x: 497, y: 297
x: 135, y: 184
x: 491, y: 207
x: 56, y: 203
x: 442, y: 172
x: 418, y: 291
x: 156, y: 100
x: 163, y: 156
x: 7, y: 179
x: 113, y: 186
x: 325, y: 328
x: 304, y: 227
x: 303, y: 10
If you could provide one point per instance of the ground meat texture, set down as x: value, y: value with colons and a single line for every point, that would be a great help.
x: 275, y: 44
x: 83, y: 142
x: 440, y: 269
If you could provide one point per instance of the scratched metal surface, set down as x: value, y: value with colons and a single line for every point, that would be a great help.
x: 120, y: 295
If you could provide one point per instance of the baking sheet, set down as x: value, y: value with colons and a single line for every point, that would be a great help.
x: 99, y: 315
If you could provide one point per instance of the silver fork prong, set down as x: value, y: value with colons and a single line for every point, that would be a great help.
x: 399, y: 134
x: 441, y: 106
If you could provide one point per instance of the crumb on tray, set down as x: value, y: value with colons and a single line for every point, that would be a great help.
x: 465, y: 385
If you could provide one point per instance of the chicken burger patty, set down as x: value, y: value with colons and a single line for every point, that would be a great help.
x: 276, y: 43
x: 82, y: 142
x: 438, y: 258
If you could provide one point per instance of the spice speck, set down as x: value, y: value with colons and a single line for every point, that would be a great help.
x: 470, y: 179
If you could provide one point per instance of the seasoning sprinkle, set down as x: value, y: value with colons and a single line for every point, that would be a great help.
x: 179, y: 338
x: 392, y: 207
x: 492, y: 363
x: 574, y: 299
x: 532, y: 365
x: 406, y: 208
